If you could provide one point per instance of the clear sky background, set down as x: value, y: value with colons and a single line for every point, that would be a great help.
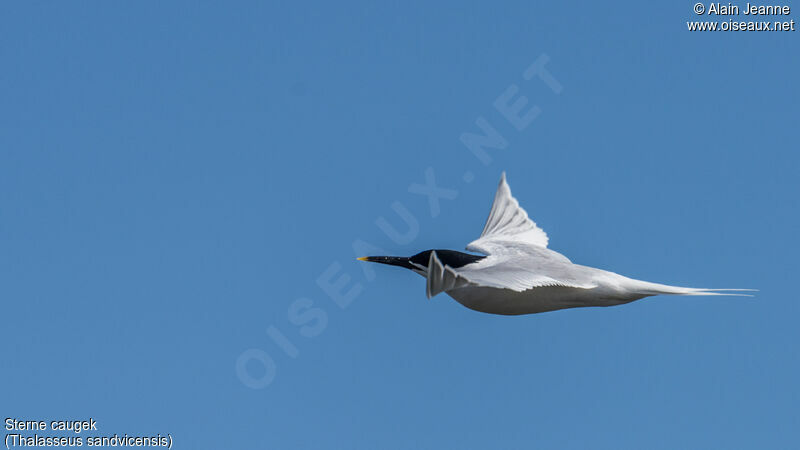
x: 176, y: 177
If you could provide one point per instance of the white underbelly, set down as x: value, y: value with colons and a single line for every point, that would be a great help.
x: 541, y: 299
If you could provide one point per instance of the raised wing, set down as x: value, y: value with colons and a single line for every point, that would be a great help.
x: 508, y: 223
x: 542, y: 268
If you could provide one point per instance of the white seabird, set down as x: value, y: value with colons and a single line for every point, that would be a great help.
x: 519, y: 274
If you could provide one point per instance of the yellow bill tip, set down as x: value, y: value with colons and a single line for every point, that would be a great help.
x: 363, y: 258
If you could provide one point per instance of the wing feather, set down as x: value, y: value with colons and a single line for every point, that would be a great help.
x: 501, y: 272
x: 518, y: 258
x: 507, y: 223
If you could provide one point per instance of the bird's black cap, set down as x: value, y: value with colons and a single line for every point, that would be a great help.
x: 450, y: 258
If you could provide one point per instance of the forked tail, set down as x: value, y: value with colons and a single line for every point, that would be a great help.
x: 647, y: 288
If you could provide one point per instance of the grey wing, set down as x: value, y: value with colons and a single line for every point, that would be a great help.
x: 538, y: 268
x: 507, y: 224
x: 518, y: 258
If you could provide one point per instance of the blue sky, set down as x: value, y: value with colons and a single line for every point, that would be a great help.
x: 182, y: 182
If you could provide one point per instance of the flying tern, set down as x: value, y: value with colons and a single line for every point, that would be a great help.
x: 517, y: 274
